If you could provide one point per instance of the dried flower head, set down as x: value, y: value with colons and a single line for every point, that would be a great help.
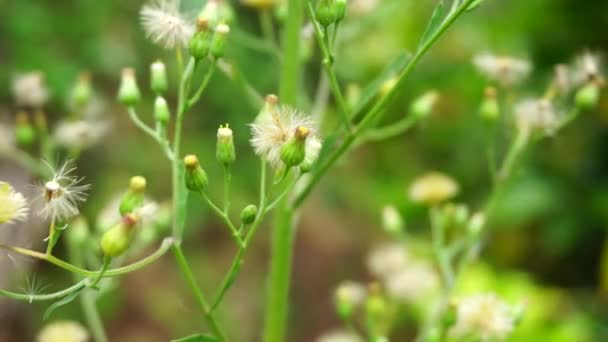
x: 340, y: 336
x: 484, y: 316
x: 507, y: 71
x: 61, y: 194
x: 13, y: 206
x: 165, y: 25
x: 63, y: 331
x: 535, y: 115
x: 80, y: 134
x: 29, y: 89
x: 274, y: 128
x: 433, y: 188
x: 387, y: 259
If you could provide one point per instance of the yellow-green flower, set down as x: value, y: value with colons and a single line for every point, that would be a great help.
x: 433, y: 188
x: 13, y: 206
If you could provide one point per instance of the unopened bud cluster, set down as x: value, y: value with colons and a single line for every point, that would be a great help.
x: 205, y: 42
x: 330, y: 11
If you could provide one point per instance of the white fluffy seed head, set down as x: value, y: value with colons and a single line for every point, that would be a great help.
x: 13, y: 206
x: 506, y: 70
x: 80, y: 134
x: 61, y: 195
x: 387, y: 259
x: 536, y: 116
x: 164, y: 24
x: 274, y: 128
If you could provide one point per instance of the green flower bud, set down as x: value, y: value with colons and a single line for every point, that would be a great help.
x: 313, y: 148
x: 161, y: 111
x: 128, y: 93
x: 392, y: 222
x: 489, y: 106
x: 588, y: 96
x: 377, y: 311
x: 117, y: 239
x: 196, y: 178
x: 340, y: 9
x: 348, y: 297
x: 218, y: 43
x: 24, y: 131
x: 158, y: 77
x: 270, y: 105
x: 226, y: 12
x: 201, y: 41
x: 133, y: 199
x: 293, y: 152
x: 225, y: 146
x: 248, y: 214
x: 476, y: 224
x: 210, y: 13
x: 81, y: 93
x: 422, y: 106
x: 326, y: 12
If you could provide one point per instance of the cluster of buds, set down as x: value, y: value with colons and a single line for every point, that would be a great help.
x: 205, y: 42
x: 330, y: 12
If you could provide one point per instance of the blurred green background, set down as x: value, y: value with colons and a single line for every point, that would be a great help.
x: 547, y: 243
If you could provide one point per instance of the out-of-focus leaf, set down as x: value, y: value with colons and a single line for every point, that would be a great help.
x: 370, y: 92
x: 197, y: 338
x: 65, y: 300
x: 436, y: 20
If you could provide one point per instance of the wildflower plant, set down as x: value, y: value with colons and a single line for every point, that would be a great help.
x: 294, y: 154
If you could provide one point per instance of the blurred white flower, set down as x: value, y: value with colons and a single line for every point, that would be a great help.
x: 412, y: 282
x: 351, y: 292
x: 392, y: 222
x: 505, y: 70
x: 61, y: 194
x: 587, y: 67
x: 387, y: 259
x: 362, y: 7
x: 483, y: 316
x: 80, y: 134
x: 273, y: 129
x: 13, y: 206
x: 63, y: 331
x: 536, y: 115
x: 164, y: 24
x: 432, y: 188
x: 29, y: 89
x: 340, y: 336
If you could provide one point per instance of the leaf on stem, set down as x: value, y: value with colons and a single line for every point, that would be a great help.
x: 66, y: 300
x: 434, y: 23
x: 393, y: 69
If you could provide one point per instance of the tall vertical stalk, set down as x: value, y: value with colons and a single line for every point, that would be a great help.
x: 284, y: 226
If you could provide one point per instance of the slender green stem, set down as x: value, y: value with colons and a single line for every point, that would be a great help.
x: 197, y: 95
x: 164, y: 247
x: 380, y: 106
x: 438, y: 243
x: 323, y: 40
x: 390, y: 131
x: 227, y: 179
x: 268, y: 27
x: 46, y: 297
x: 233, y: 73
x: 230, y: 277
x: 52, y: 232
x: 104, y: 268
x: 154, y: 134
x: 196, y: 291
x: 225, y: 218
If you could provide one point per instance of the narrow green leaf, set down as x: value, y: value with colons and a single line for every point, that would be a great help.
x: 474, y: 5
x: 65, y: 300
x: 197, y: 338
x: 436, y: 20
x: 369, y: 93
